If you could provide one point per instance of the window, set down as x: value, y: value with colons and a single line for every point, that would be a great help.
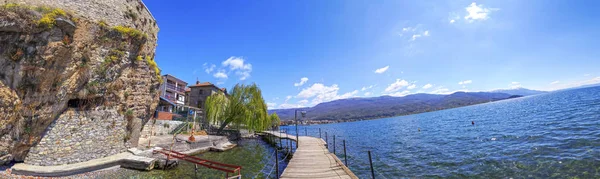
x: 200, y: 104
x: 201, y: 92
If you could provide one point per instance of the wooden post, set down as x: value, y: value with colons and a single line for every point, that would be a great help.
x: 371, y: 163
x: 333, y: 144
x: 345, y: 158
x: 326, y: 141
x: 195, y: 170
x: 320, y: 133
x: 276, y: 164
x: 305, y: 132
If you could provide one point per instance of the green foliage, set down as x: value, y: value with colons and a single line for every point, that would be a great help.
x: 275, y: 121
x: 11, y: 6
x: 102, y: 24
x: 129, y: 114
x: 49, y: 16
x: 152, y: 64
x: 244, y: 106
x: 130, y: 32
x: 139, y: 58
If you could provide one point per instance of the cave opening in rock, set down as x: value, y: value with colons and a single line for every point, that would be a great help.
x: 85, y: 104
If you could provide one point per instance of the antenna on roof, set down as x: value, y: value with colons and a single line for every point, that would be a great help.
x: 197, y: 81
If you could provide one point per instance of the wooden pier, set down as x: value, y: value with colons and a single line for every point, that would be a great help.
x: 312, y: 160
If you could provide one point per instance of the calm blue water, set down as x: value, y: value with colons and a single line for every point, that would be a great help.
x: 554, y: 135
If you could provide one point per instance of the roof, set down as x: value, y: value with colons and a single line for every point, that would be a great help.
x: 203, y: 84
x: 187, y: 89
x: 168, y: 101
x: 207, y: 84
x: 175, y: 78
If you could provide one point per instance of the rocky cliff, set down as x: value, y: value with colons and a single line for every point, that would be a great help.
x: 73, y: 69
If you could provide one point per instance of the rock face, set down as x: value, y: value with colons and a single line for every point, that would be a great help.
x: 72, y: 68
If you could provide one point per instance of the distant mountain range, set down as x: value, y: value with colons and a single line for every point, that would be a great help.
x: 388, y: 106
x: 519, y: 91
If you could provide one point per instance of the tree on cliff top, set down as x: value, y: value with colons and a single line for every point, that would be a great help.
x: 244, y: 106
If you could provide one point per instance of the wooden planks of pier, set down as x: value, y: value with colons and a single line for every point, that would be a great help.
x: 313, y: 160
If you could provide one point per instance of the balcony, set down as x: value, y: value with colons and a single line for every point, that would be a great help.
x: 173, y: 99
x: 176, y: 88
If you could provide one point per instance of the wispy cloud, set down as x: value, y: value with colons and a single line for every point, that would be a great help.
x: 239, y: 66
x: 302, y: 81
x: 382, y: 70
x: 396, y: 86
x: 366, y: 88
x: 478, y: 12
x: 399, y: 94
x: 427, y: 86
x: 221, y: 75
x: 208, y: 68
x: 319, y: 93
x: 515, y: 85
x: 555, y: 82
x: 423, y: 34
x: 465, y: 82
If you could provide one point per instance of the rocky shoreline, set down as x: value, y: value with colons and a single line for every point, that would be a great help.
x: 203, y: 143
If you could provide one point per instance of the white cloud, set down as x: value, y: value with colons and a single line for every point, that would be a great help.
x: 208, y: 68
x: 302, y: 81
x: 465, y: 82
x: 287, y: 98
x: 381, y: 70
x: 413, y: 86
x: 399, y: 94
x: 368, y: 94
x: 238, y: 65
x: 303, y: 102
x: 515, y: 85
x: 221, y: 75
x: 441, y: 90
x: 399, y: 84
x: 409, y: 29
x: 452, y: 21
x: 271, y: 105
x: 423, y: 34
x: 286, y: 106
x: 321, y: 93
x: 564, y: 85
x: 366, y: 88
x: 477, y: 12
x: 555, y: 82
x: 427, y: 86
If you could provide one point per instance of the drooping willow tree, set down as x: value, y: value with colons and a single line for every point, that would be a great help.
x: 244, y: 106
x: 275, y: 121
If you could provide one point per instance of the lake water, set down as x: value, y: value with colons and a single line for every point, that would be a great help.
x: 254, y: 155
x: 554, y: 135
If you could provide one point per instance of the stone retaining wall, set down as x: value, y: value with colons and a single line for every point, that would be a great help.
x: 78, y: 136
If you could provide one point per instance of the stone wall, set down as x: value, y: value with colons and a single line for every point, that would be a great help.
x: 98, y: 54
x: 78, y: 136
x: 160, y: 128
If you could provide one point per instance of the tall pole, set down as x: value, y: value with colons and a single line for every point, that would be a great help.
x: 276, y: 164
x: 320, y: 133
x: 305, y: 132
x: 333, y: 144
x: 345, y: 158
x: 295, y: 118
x: 371, y: 163
x: 326, y: 141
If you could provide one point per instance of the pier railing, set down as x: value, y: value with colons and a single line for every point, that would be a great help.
x: 337, y: 145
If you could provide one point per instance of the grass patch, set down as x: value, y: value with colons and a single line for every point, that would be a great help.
x: 49, y: 17
x: 130, y: 32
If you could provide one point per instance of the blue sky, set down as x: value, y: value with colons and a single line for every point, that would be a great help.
x: 302, y: 53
